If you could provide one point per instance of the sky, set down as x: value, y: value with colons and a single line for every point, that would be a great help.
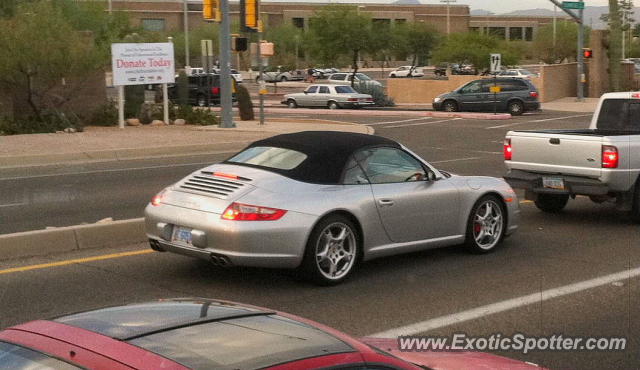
x: 505, y: 6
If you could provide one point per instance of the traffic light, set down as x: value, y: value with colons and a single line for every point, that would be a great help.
x: 238, y: 43
x: 587, y: 53
x: 211, y: 10
x: 249, y: 15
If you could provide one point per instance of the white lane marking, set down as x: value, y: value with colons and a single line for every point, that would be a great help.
x: 423, y: 123
x: 403, y: 120
x: 111, y: 170
x: 457, y: 160
x: 538, y: 120
x: 491, y: 309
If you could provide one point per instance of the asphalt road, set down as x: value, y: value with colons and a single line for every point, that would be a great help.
x: 429, y: 289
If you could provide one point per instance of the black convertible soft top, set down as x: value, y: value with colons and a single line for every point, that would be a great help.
x: 327, y: 153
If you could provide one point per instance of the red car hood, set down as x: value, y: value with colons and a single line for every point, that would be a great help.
x: 454, y: 360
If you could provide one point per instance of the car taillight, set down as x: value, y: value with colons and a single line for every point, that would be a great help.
x: 352, y: 99
x: 508, y: 150
x: 215, y: 90
x: 610, y: 157
x: 369, y: 99
x: 533, y: 94
x: 246, y: 212
x: 157, y: 199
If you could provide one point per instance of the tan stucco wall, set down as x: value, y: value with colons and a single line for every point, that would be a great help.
x: 557, y: 81
x: 423, y: 91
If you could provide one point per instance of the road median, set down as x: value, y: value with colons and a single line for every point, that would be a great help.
x: 71, y: 238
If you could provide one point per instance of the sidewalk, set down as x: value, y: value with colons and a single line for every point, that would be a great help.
x: 114, y: 144
x: 571, y: 105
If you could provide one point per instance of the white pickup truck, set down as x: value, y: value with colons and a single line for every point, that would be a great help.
x: 601, y: 162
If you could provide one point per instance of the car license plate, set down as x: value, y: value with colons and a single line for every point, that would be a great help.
x: 362, y: 100
x: 553, y: 183
x: 181, y: 235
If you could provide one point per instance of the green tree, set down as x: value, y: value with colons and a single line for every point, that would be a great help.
x: 287, y: 38
x: 566, y: 43
x: 339, y: 30
x: 475, y: 48
x: 415, y: 39
x: 44, y: 59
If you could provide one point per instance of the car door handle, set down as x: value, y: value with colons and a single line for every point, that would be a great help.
x: 385, y: 202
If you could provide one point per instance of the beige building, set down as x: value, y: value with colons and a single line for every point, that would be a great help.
x: 166, y: 15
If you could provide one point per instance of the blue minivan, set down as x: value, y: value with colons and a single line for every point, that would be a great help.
x: 516, y: 96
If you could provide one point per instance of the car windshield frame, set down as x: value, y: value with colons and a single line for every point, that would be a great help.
x: 363, y: 77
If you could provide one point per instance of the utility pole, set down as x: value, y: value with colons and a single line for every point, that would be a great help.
x: 226, y: 103
x: 448, y: 14
x: 187, y: 62
x: 110, y: 7
x: 579, y: 18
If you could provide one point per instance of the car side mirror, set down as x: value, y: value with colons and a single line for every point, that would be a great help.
x: 431, y: 176
x: 305, y: 92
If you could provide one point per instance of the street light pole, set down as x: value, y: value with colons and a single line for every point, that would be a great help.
x: 226, y: 104
x: 448, y: 14
x: 186, y: 34
x: 110, y: 7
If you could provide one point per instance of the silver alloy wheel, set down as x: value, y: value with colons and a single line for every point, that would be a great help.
x: 488, y: 223
x: 333, y: 105
x: 292, y: 104
x: 335, y: 251
x: 450, y: 106
x: 515, y: 108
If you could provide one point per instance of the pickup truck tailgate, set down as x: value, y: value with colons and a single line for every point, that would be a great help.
x: 578, y: 155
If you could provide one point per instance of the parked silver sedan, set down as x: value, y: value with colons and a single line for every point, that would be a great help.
x: 323, y: 202
x: 330, y: 96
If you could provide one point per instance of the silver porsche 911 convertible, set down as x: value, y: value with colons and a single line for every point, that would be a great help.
x: 322, y: 202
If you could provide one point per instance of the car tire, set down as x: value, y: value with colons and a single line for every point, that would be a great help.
x: 201, y: 101
x: 486, y: 225
x: 332, y: 251
x: 284, y: 79
x: 450, y: 106
x: 393, y: 76
x: 258, y: 79
x: 292, y: 104
x: 515, y: 108
x: 333, y: 105
x: 635, y: 207
x: 552, y: 203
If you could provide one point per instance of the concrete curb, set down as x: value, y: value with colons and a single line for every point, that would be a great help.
x: 72, y: 238
x: 484, y: 116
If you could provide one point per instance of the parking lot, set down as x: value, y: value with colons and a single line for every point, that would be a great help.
x: 436, y: 292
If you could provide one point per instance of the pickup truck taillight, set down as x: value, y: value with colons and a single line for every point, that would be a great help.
x: 508, y: 150
x: 610, y: 157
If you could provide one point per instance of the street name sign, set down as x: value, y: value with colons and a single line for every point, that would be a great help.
x: 572, y: 5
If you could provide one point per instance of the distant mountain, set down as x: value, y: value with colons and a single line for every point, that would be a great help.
x: 481, y: 12
x: 533, y: 12
x: 592, y: 15
x: 408, y: 2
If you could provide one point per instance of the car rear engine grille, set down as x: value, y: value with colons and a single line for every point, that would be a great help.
x: 206, y: 182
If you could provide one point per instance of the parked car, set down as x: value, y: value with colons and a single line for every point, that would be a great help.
x: 516, y: 96
x: 601, y: 162
x: 456, y: 69
x: 330, y: 96
x: 407, y: 71
x: 234, y: 73
x: 324, y: 201
x: 203, y: 333
x: 344, y: 78
x: 283, y: 76
x: 517, y: 73
x: 204, y: 90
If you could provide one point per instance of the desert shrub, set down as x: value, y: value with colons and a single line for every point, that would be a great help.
x: 377, y: 92
x: 48, y: 122
x: 104, y: 115
x: 245, y: 105
x: 134, y: 98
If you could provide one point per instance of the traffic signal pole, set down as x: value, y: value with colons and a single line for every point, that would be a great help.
x: 226, y: 103
x: 579, y: 18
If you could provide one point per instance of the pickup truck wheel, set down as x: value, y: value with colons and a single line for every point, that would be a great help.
x: 450, y: 106
x: 635, y: 208
x: 201, y: 101
x: 292, y: 104
x: 486, y: 225
x: 516, y: 108
x: 552, y: 203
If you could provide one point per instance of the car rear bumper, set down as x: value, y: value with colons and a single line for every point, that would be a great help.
x: 532, y: 105
x: 276, y: 244
x: 532, y: 182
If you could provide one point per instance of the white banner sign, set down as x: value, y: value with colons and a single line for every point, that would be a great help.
x: 496, y: 63
x: 142, y: 64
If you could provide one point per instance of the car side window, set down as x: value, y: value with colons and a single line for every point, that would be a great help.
x: 353, y: 174
x: 390, y: 165
x: 339, y: 76
x: 312, y: 89
x: 472, y: 88
x: 323, y: 90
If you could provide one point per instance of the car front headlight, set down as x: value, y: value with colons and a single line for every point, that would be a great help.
x: 437, y: 99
